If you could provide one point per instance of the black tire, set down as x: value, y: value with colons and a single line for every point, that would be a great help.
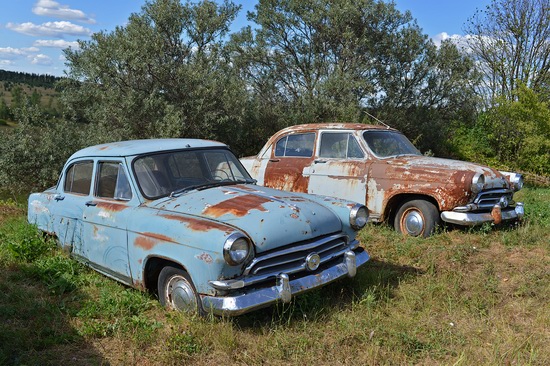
x: 417, y: 217
x: 176, y: 291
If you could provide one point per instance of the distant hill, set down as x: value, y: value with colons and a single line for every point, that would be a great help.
x: 32, y: 80
x: 18, y: 87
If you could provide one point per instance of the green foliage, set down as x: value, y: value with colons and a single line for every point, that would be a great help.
x: 26, y: 243
x: 164, y: 74
x: 519, y: 131
x: 32, y: 156
x: 11, y: 77
x: 327, y: 61
x: 5, y: 113
x: 117, y: 311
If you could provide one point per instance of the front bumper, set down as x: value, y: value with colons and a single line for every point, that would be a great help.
x: 497, y: 215
x: 284, y: 288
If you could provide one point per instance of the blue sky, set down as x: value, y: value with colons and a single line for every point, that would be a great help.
x: 34, y: 32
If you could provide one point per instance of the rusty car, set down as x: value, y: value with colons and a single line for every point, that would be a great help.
x: 183, y: 219
x: 378, y: 166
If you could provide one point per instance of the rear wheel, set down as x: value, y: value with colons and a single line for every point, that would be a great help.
x: 417, y: 217
x: 176, y: 291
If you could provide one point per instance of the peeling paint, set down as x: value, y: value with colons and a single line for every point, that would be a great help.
x: 198, y: 224
x: 237, y: 206
x: 205, y: 257
x: 377, y: 182
x: 148, y: 240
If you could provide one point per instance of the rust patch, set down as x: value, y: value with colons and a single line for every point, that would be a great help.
x: 145, y: 243
x: 496, y: 214
x: 198, y: 224
x: 113, y: 207
x: 246, y: 188
x: 139, y: 285
x: 294, y: 216
x: 237, y: 206
x: 207, y: 258
x: 286, y: 173
x: 148, y: 240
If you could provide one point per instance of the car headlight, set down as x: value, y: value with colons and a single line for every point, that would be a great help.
x: 358, y: 216
x: 478, y: 181
x: 236, y: 249
x: 517, y: 181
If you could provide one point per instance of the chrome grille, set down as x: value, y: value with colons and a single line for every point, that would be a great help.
x: 487, y: 199
x: 291, y: 259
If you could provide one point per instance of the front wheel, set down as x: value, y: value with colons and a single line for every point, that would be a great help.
x: 177, y: 292
x: 417, y: 218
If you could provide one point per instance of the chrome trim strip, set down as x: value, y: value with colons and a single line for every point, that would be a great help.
x: 472, y: 219
x: 256, y: 298
x: 293, y: 249
x: 235, y: 284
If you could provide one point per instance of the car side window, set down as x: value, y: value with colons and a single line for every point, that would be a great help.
x: 339, y: 145
x: 300, y: 145
x: 113, y: 182
x: 78, y: 178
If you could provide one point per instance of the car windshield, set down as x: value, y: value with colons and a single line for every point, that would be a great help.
x: 389, y: 143
x: 175, y: 172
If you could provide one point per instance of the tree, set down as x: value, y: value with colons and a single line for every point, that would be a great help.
x: 327, y: 60
x: 519, y: 131
x: 164, y: 74
x: 5, y: 113
x: 509, y: 38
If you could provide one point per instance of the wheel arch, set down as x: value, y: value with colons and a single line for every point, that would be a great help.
x: 152, y: 269
x: 396, y: 201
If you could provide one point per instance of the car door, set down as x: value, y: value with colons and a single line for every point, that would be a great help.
x: 339, y: 168
x: 290, y: 155
x: 105, y: 218
x: 67, y: 205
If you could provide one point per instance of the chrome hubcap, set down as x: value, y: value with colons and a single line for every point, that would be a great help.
x: 180, y: 294
x: 413, y: 223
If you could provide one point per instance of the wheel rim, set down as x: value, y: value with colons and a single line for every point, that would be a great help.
x: 180, y: 295
x: 412, y: 222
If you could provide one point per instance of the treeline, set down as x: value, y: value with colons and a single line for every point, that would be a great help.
x: 33, y: 80
x: 176, y: 70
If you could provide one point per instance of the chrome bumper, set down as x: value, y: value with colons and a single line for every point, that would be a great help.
x: 496, y: 216
x: 255, y: 298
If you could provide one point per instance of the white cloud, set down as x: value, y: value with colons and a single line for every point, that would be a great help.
x: 56, y: 10
x: 459, y: 40
x: 6, y: 63
x: 58, y: 43
x: 41, y: 59
x: 13, y: 53
x: 50, y: 29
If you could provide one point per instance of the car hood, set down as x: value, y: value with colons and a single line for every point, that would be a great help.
x: 271, y: 218
x: 431, y: 169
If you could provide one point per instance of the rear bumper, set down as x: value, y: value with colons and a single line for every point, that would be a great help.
x: 284, y: 288
x: 474, y: 218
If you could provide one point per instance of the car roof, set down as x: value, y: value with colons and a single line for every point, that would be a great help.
x: 335, y: 126
x: 138, y: 147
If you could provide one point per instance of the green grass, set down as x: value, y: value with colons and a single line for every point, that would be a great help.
x: 462, y: 297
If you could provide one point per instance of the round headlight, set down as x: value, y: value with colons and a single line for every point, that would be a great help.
x: 236, y: 249
x: 517, y: 181
x: 478, y: 181
x: 358, y: 216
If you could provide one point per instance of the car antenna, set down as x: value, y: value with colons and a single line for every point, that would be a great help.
x: 377, y: 120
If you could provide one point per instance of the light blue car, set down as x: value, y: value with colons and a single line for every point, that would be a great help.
x: 182, y: 218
